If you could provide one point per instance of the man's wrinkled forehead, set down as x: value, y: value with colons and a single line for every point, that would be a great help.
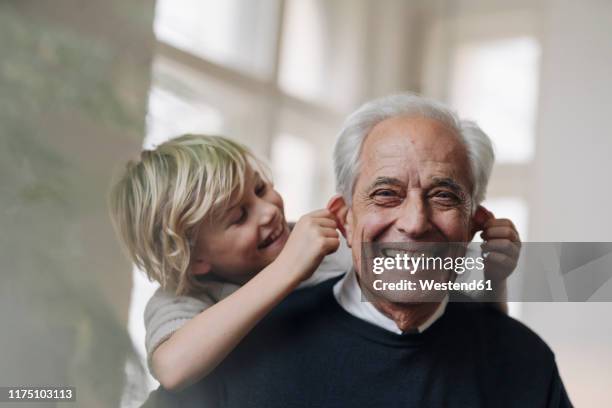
x: 407, y: 147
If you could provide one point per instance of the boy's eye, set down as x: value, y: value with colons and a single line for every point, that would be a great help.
x: 242, y: 217
x: 260, y: 189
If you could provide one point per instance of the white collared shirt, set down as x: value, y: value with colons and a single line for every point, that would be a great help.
x: 348, y: 294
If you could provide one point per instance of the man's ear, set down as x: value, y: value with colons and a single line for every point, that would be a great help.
x: 338, y: 207
x: 200, y: 267
x: 479, y: 219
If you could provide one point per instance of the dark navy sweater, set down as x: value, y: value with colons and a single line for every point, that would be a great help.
x: 309, y: 352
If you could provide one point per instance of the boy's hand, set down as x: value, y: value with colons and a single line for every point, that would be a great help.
x: 313, y: 237
x: 502, y: 244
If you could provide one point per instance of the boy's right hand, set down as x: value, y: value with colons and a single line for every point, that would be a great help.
x: 313, y: 237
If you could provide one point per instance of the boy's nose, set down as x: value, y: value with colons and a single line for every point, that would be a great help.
x: 267, y: 213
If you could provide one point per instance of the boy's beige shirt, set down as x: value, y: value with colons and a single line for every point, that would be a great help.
x: 165, y: 312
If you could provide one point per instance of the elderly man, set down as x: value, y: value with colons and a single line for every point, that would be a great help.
x: 408, y: 171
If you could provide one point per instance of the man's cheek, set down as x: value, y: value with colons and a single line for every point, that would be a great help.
x: 374, y: 226
x: 455, y: 225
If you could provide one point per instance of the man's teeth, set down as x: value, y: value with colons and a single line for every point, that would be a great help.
x: 392, y: 253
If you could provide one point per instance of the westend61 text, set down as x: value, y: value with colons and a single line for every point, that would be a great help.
x: 431, y: 284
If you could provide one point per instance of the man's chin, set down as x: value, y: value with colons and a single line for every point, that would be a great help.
x: 412, y: 298
x: 405, y: 288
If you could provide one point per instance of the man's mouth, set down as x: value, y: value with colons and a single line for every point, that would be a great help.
x: 392, y: 253
x: 272, y: 237
x: 414, y: 251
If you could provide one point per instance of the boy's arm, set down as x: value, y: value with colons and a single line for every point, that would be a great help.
x: 333, y: 265
x: 166, y: 312
x: 201, y: 344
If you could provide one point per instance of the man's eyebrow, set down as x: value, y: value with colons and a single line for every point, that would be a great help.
x: 448, y: 182
x: 385, y: 181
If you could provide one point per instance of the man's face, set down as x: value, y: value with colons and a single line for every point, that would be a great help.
x: 413, y: 187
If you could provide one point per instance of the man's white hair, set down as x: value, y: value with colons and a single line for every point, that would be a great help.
x: 360, y: 123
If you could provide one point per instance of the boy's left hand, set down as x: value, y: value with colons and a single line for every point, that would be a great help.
x: 502, y: 244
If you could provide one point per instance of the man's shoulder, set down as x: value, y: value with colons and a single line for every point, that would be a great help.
x: 508, y: 351
x: 307, y: 303
x: 500, y: 331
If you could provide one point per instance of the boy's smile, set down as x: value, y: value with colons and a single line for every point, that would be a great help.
x: 240, y: 243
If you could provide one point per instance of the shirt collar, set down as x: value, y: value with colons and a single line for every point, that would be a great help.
x: 348, y: 294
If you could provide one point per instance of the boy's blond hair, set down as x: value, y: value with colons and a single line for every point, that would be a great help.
x: 160, y: 201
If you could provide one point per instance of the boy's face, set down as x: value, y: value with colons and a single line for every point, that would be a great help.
x: 247, y: 238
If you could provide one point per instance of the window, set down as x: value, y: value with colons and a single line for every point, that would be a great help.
x: 495, y: 83
x: 240, y: 34
x: 165, y: 107
x: 293, y: 166
x: 324, y: 43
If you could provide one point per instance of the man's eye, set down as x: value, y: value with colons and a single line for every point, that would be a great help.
x: 386, y: 197
x: 445, y: 197
x: 385, y: 193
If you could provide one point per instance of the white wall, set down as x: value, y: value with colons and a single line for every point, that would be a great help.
x: 570, y: 193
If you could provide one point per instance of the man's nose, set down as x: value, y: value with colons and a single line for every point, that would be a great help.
x: 413, y: 220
